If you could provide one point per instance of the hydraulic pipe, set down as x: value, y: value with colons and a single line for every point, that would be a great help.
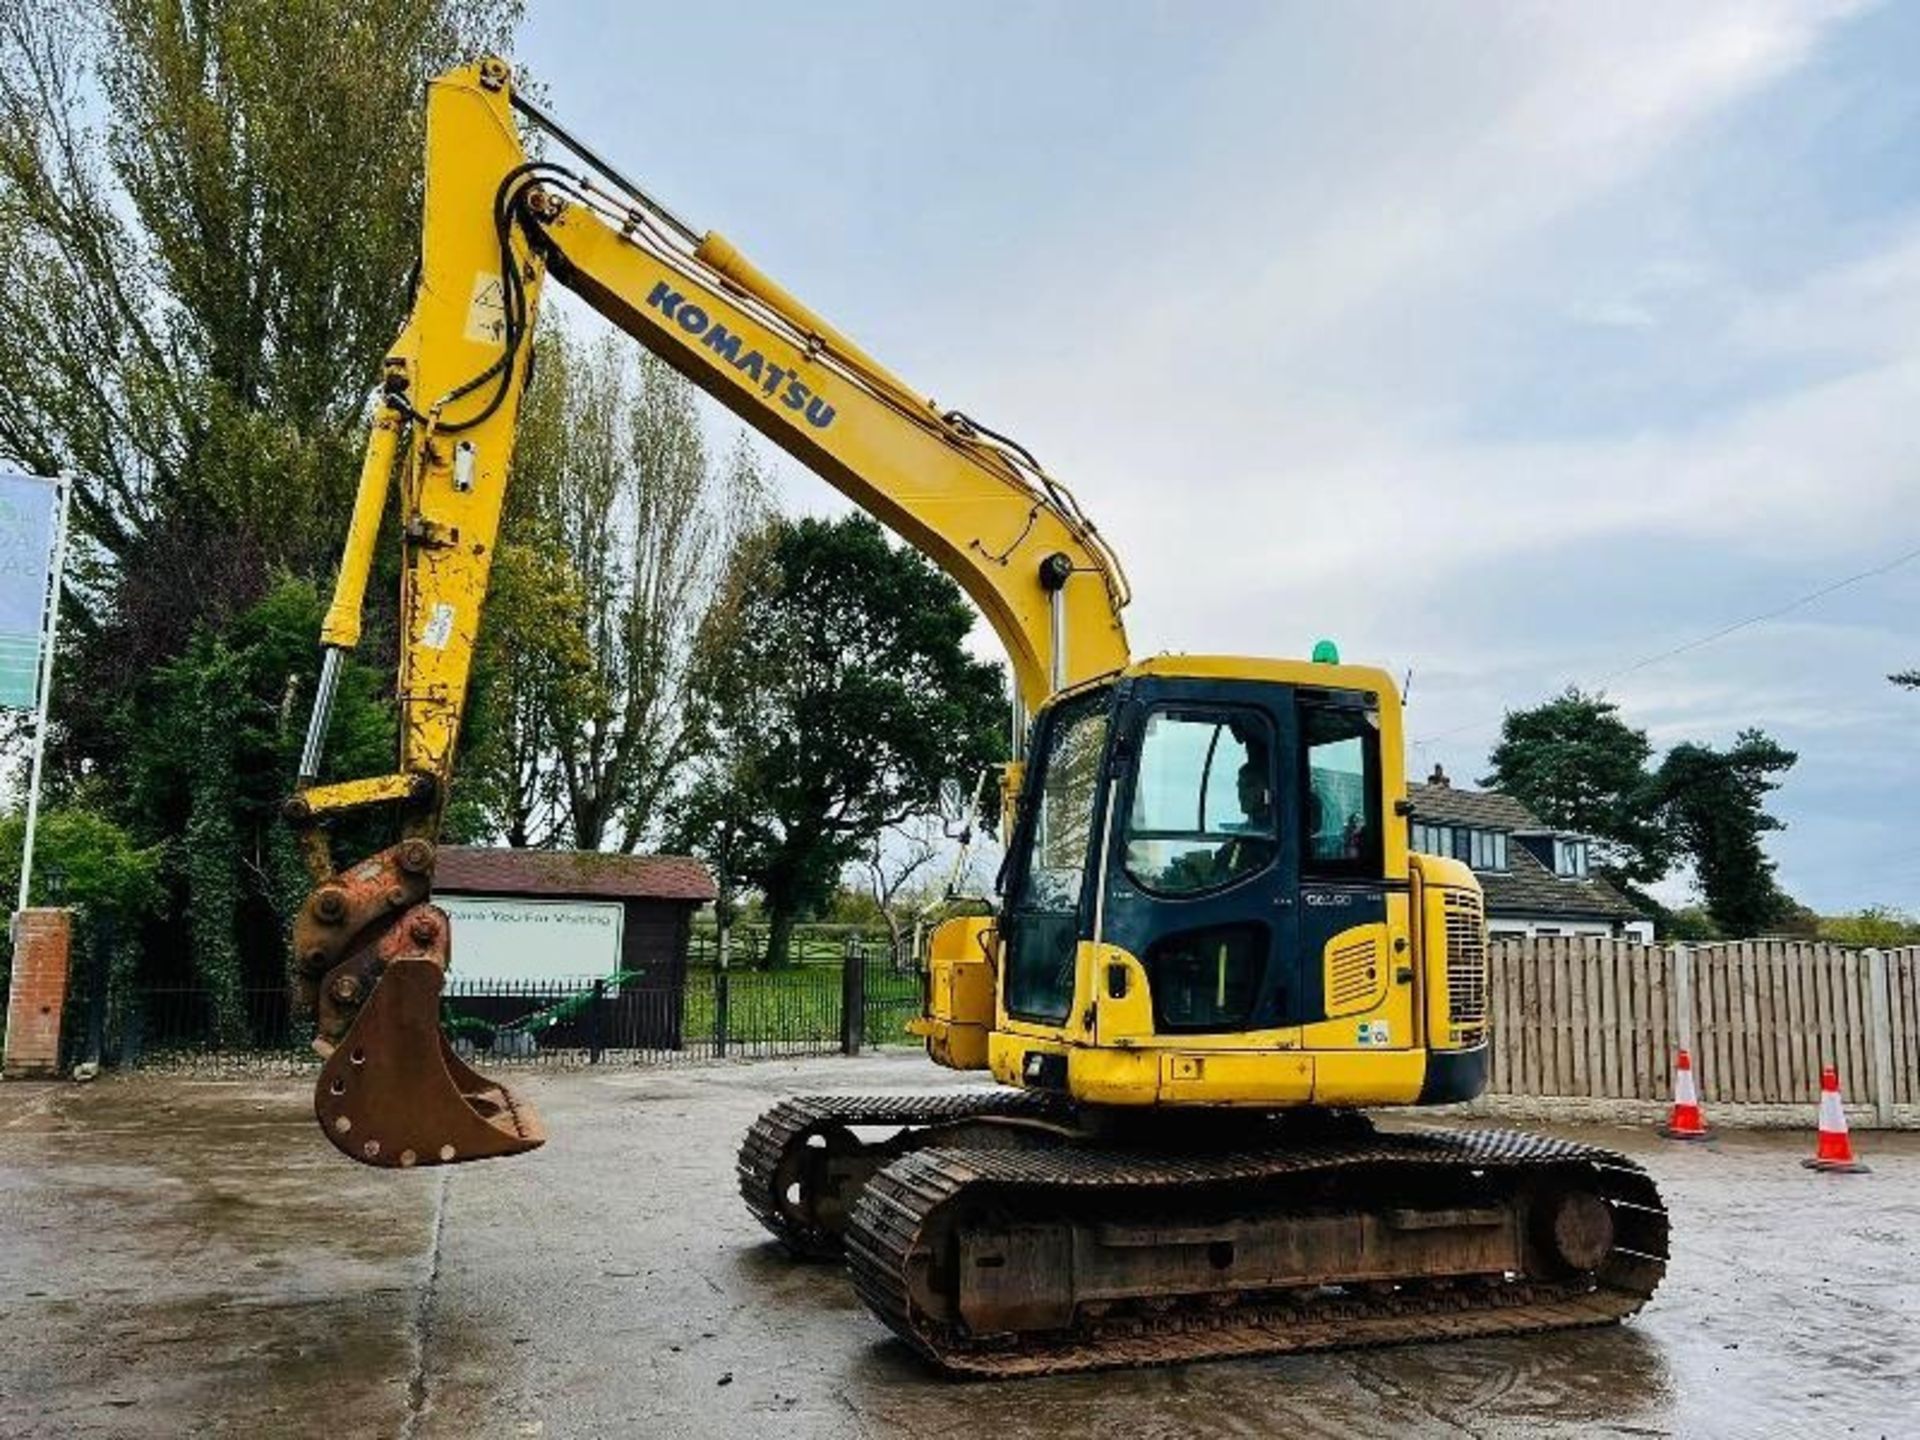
x: 722, y: 255
x: 340, y: 631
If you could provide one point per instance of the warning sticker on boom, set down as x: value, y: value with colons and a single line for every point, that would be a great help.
x: 487, y: 311
x: 439, y: 627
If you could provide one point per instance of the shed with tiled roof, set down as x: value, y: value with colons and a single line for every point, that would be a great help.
x: 571, y: 874
x: 526, y: 921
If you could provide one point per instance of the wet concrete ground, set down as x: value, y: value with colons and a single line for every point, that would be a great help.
x: 190, y: 1257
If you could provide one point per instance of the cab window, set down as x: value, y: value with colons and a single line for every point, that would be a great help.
x: 1045, y: 910
x: 1202, y: 814
x: 1341, y: 813
x: 1063, y: 821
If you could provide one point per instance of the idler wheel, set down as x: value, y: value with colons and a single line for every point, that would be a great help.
x: 1576, y: 1226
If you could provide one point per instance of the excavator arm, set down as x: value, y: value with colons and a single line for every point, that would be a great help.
x: 370, y: 951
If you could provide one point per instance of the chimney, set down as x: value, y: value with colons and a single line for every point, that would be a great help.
x: 1439, y: 779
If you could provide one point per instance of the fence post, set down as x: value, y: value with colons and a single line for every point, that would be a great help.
x: 1683, y: 995
x: 1880, y: 1035
x: 97, y: 1000
x: 133, y: 1032
x: 720, y: 997
x: 853, y: 997
x: 593, y: 1022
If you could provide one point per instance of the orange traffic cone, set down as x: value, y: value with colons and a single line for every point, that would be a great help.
x: 1687, y: 1123
x: 1835, y: 1150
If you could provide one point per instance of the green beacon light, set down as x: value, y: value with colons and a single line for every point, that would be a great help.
x: 1325, y: 652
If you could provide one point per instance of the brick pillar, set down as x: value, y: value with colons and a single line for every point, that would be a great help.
x: 42, y: 939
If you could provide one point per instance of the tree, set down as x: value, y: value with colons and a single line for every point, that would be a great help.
x: 105, y: 873
x: 208, y: 217
x: 898, y: 857
x: 1577, y: 765
x: 210, y: 742
x: 1689, y: 923
x: 617, y: 533
x: 836, y: 697
x: 211, y: 212
x: 1877, y: 927
x: 1714, y: 802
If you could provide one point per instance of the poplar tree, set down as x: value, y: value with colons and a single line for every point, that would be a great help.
x: 209, y: 214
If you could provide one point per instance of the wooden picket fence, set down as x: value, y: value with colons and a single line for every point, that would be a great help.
x: 1601, y: 1018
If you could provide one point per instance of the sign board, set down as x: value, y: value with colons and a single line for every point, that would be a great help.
x: 28, y: 509
x: 508, y: 938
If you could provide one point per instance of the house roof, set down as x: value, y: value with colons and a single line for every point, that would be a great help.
x: 1482, y: 809
x: 1526, y: 887
x: 573, y: 874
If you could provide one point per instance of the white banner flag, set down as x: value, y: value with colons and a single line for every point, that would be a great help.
x: 27, y: 515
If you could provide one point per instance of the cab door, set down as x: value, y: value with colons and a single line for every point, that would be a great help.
x: 1202, y: 870
x: 1352, y: 926
x: 1048, y: 895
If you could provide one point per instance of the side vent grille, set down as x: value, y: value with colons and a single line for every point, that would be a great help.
x: 1466, y: 968
x: 1355, y: 975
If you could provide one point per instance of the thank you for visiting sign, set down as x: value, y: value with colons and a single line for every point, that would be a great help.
x: 507, y: 938
x: 28, y: 511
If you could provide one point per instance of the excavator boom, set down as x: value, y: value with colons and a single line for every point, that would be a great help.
x: 370, y: 951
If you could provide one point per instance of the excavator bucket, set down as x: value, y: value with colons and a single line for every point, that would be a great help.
x: 373, y: 960
x: 394, y: 1093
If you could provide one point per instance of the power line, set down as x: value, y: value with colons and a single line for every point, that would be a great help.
x: 1708, y: 639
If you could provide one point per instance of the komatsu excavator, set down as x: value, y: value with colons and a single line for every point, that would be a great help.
x: 1214, y: 947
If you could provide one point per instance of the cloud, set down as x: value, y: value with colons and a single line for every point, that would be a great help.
x: 1510, y: 343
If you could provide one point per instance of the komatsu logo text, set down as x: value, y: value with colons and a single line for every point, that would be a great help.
x: 776, y: 382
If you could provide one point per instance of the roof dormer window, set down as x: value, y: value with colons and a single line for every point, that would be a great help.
x: 1489, y: 849
x: 1570, y: 858
x: 1478, y: 849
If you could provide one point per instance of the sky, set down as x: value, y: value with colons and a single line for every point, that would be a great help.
x: 1509, y: 345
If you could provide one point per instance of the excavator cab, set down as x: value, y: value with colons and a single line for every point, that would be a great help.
x: 1209, y: 898
x: 1179, y: 820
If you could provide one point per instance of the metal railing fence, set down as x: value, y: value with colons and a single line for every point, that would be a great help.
x: 863, y: 999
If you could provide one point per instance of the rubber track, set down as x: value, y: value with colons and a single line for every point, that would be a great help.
x: 792, y: 1122
x: 894, y: 1210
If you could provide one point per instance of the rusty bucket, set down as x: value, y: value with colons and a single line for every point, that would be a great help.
x: 391, y: 1092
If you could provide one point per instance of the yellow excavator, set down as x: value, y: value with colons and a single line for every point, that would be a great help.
x: 1214, y: 946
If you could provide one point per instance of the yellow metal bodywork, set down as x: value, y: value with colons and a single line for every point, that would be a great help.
x: 960, y: 993
x: 954, y: 499
x: 952, y: 493
x: 359, y: 794
x: 1441, y: 878
x: 448, y: 452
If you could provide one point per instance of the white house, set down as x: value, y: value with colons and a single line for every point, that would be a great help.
x: 1536, y: 879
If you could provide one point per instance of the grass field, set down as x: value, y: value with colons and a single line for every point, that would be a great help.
x: 798, y: 1005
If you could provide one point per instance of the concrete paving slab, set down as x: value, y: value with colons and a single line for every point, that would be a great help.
x: 186, y: 1256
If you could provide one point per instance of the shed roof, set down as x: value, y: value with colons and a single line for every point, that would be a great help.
x: 485, y: 870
